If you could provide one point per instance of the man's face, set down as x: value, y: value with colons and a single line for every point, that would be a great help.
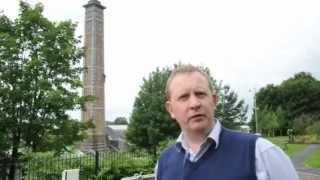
x: 191, y: 102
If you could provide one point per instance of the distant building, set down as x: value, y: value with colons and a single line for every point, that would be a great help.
x: 117, y: 137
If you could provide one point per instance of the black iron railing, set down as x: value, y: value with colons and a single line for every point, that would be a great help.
x: 96, y: 165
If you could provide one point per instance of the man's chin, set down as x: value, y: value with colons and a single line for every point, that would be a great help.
x: 200, y: 126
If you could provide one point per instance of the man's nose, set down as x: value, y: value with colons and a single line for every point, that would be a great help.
x: 194, y: 102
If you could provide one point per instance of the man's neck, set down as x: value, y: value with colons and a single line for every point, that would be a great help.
x: 194, y: 140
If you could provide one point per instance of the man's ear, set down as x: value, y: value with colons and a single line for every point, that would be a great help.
x: 215, y: 99
x: 169, y: 109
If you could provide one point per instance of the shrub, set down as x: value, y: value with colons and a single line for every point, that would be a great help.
x: 120, y: 168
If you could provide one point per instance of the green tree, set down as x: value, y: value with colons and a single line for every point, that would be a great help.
x: 120, y: 120
x: 231, y: 111
x: 281, y: 119
x: 301, y: 95
x: 315, y: 129
x: 150, y: 124
x: 301, y: 124
x: 268, y: 121
x: 296, y: 96
x: 39, y: 77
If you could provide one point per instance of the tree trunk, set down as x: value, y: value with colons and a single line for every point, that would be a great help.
x: 3, y: 167
x: 14, y: 157
x: 12, y: 164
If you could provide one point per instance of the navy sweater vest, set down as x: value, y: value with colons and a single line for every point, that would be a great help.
x: 234, y: 159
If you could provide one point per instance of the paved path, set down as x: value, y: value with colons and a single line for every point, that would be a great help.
x: 308, y: 176
x: 306, y: 173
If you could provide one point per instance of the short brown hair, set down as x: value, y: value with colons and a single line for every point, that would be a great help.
x: 185, y: 69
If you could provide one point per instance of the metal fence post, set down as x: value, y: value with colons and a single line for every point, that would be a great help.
x: 97, y: 162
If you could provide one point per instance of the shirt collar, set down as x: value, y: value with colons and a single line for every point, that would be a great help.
x: 214, y: 135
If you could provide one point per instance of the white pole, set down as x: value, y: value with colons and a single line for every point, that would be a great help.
x: 255, y: 111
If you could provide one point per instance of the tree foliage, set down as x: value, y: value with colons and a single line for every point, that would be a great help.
x: 150, y: 124
x: 121, y: 120
x: 268, y: 121
x: 297, y: 97
x: 301, y: 124
x: 39, y: 76
x: 231, y: 111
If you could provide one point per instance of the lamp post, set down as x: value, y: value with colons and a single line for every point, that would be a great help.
x: 255, y: 111
x: 255, y: 108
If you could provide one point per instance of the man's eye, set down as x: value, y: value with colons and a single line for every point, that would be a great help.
x: 201, y: 94
x: 183, y: 97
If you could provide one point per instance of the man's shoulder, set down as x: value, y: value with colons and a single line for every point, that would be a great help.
x: 264, y: 145
x: 171, y: 150
x: 240, y: 135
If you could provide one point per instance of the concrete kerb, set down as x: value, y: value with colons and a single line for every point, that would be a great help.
x: 308, y: 176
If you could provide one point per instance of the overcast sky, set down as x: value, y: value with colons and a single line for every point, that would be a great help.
x: 246, y: 44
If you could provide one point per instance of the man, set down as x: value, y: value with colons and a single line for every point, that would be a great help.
x: 207, y: 151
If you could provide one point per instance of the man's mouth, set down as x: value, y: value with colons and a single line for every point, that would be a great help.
x: 197, y: 116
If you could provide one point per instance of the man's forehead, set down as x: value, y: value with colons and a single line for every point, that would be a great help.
x: 181, y: 81
x: 182, y: 76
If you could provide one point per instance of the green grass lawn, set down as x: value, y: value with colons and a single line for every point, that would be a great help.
x: 313, y: 160
x: 295, y: 148
x: 292, y: 148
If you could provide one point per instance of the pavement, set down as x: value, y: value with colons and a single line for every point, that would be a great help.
x: 306, y: 173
